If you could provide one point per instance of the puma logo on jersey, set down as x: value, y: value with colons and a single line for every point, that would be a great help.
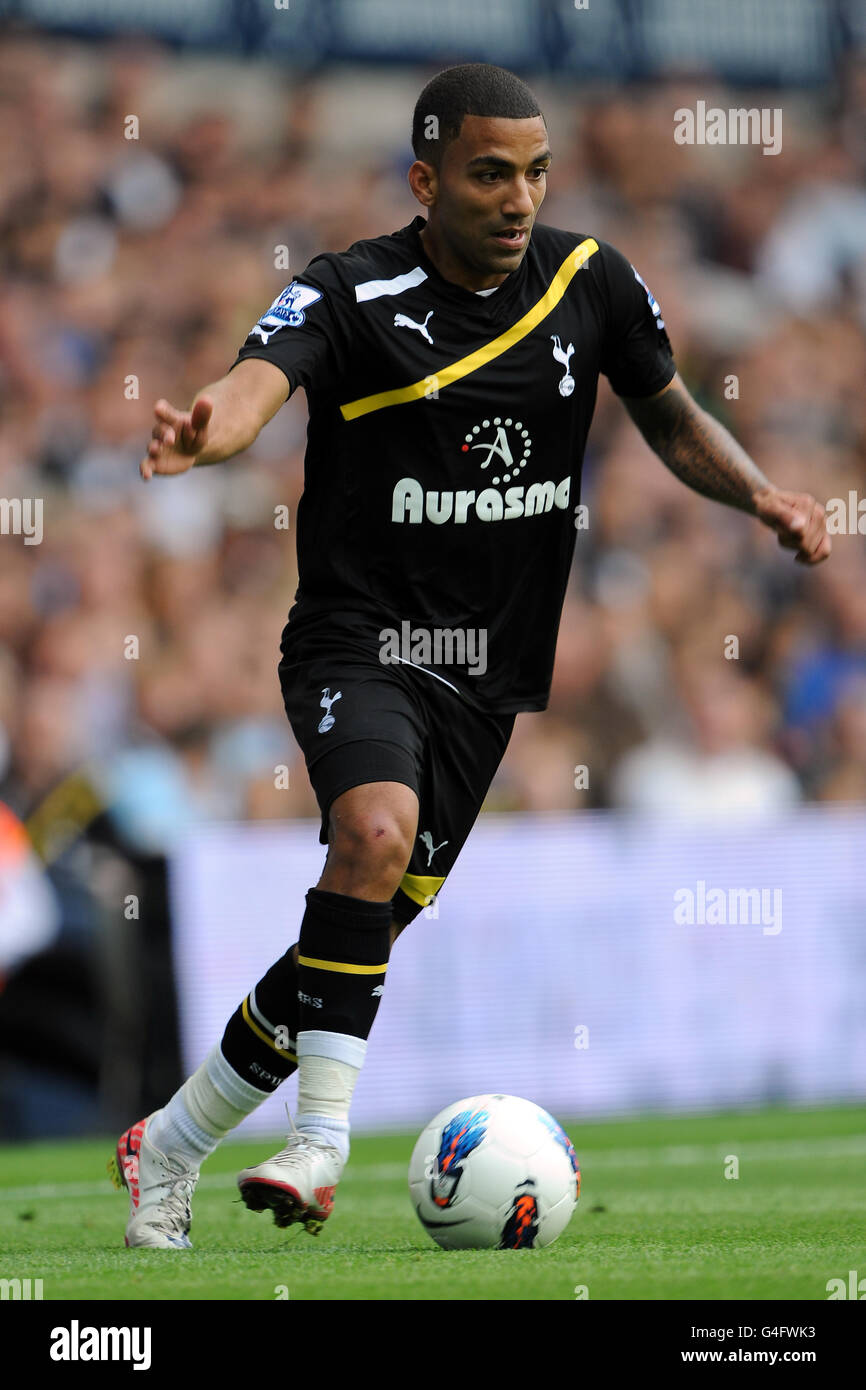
x: 328, y: 721
x: 404, y: 321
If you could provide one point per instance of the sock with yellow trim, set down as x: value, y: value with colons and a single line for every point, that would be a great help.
x: 342, y: 959
x: 343, y: 953
x: 260, y: 1040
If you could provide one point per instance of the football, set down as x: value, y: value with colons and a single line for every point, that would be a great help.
x: 494, y: 1173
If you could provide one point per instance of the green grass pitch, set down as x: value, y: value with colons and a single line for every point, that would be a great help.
x: 657, y: 1219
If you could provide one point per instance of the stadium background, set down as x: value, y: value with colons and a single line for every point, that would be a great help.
x: 134, y: 769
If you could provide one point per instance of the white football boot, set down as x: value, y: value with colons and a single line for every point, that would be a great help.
x: 160, y: 1191
x: 297, y: 1184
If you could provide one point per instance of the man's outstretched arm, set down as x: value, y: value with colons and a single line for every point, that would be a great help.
x: 702, y: 453
x: 224, y: 419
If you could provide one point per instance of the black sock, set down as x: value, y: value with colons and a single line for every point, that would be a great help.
x: 261, y: 1037
x: 342, y: 958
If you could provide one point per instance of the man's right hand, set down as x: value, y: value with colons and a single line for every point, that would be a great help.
x: 177, y: 438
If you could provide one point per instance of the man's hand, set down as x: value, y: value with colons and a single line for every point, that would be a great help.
x: 177, y: 438
x: 224, y: 421
x: 701, y: 452
x: 798, y: 520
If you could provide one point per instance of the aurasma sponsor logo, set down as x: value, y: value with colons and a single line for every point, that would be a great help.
x: 77, y: 1343
x: 411, y: 503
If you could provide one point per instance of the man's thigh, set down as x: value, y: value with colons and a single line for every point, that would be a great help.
x: 360, y: 722
x: 462, y: 752
x: 357, y: 722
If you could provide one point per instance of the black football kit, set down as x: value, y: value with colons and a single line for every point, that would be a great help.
x: 437, y: 524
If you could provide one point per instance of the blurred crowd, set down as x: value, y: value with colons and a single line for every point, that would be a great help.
x: 139, y: 639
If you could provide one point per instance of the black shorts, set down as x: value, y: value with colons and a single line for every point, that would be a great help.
x: 358, y: 720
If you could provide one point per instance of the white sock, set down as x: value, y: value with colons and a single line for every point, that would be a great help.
x: 173, y: 1131
x: 325, y: 1127
x: 207, y: 1106
x: 328, y: 1067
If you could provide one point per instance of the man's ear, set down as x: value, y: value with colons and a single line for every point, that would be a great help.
x: 424, y: 182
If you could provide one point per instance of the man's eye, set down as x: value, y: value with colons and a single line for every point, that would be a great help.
x: 491, y: 175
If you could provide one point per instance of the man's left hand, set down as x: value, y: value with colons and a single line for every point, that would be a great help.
x: 798, y: 520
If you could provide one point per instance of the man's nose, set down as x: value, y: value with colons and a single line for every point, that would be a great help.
x: 519, y: 199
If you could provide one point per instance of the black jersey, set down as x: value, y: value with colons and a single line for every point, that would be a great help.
x: 445, y: 443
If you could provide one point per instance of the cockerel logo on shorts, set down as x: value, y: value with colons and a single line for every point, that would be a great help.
x: 328, y: 721
x: 461, y: 1135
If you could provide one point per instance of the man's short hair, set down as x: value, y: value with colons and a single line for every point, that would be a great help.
x: 470, y: 89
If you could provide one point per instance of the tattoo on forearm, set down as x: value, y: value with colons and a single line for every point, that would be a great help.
x: 697, y: 448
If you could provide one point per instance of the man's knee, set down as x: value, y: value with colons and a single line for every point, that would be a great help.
x: 372, y: 840
x: 371, y: 835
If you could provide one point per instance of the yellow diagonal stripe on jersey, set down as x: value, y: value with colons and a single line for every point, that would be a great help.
x: 260, y: 1033
x: 445, y: 376
x: 420, y: 887
x: 343, y: 967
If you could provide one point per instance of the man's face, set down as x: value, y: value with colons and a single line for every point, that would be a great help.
x: 489, y: 187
